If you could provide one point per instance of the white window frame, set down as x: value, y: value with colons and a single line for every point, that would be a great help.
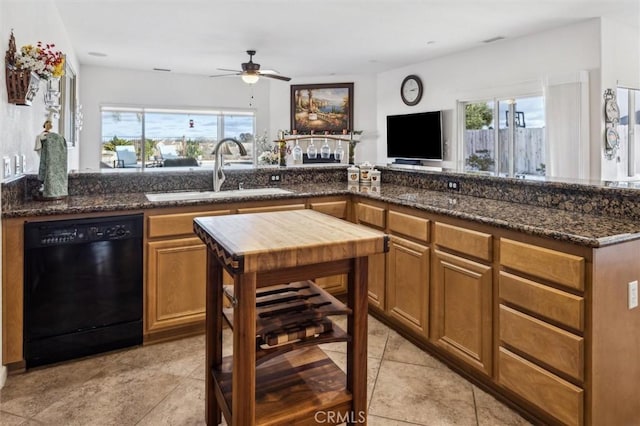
x: 496, y: 129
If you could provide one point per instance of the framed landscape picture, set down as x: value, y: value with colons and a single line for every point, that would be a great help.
x: 322, y: 108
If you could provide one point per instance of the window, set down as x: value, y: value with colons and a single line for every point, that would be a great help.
x: 629, y: 126
x: 172, y: 138
x: 505, y: 137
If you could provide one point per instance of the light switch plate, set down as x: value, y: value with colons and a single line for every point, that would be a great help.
x: 18, y: 164
x: 6, y: 170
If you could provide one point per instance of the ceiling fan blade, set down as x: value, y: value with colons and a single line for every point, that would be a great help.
x: 269, y: 72
x: 277, y: 77
x: 225, y: 75
x: 226, y: 69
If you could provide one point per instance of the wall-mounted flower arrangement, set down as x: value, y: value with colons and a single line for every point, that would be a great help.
x: 25, y: 69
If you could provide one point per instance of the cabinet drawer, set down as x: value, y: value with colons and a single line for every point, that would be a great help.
x: 371, y: 215
x: 559, y: 398
x: 334, y: 208
x: 176, y: 224
x: 411, y: 226
x: 473, y: 243
x: 271, y: 208
x: 562, y: 268
x: 556, y: 305
x: 551, y: 345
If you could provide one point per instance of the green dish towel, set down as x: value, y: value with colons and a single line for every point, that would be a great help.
x: 53, y: 166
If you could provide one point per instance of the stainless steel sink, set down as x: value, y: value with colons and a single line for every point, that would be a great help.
x: 211, y: 195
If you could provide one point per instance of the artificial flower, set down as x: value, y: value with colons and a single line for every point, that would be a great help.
x: 41, y: 59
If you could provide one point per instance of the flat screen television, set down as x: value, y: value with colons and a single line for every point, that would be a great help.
x: 415, y: 136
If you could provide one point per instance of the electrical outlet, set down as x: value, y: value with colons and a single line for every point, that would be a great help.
x: 633, y: 294
x: 275, y: 178
x: 6, y: 161
x: 453, y: 185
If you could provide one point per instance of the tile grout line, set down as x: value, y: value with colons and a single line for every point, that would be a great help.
x: 475, y: 404
x: 160, y: 402
x: 375, y: 382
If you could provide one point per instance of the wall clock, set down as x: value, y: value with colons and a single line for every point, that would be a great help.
x: 411, y: 90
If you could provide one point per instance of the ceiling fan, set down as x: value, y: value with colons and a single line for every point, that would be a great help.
x: 251, y: 72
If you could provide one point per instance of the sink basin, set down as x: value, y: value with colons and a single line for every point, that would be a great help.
x: 211, y: 195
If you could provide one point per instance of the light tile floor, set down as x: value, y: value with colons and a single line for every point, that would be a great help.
x: 163, y: 384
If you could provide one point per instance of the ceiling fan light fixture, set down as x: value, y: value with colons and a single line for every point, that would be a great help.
x: 250, y: 78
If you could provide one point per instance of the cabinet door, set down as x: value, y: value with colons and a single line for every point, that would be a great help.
x: 461, y: 309
x: 408, y: 283
x: 334, y: 284
x: 176, y: 279
x: 377, y: 278
x: 374, y: 216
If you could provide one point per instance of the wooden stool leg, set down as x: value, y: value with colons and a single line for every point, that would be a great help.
x: 244, y: 351
x: 213, y: 350
x: 357, y: 349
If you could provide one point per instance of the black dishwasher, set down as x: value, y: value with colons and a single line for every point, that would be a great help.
x: 82, y: 287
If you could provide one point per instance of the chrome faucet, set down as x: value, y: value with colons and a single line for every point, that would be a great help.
x: 218, y: 174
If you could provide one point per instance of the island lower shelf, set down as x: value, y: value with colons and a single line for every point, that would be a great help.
x: 300, y: 387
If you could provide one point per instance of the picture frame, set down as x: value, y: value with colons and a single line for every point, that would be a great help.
x: 330, y: 109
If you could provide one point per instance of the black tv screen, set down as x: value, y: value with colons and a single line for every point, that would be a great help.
x: 415, y: 136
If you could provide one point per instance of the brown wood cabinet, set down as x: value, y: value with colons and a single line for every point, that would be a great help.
x: 408, y: 283
x: 542, y: 352
x: 176, y: 278
x: 175, y: 275
x: 373, y: 214
x: 334, y: 284
x: 12, y: 291
x: 461, y: 316
x: 556, y: 336
x: 462, y: 306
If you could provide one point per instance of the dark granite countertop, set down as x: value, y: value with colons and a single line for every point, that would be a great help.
x: 578, y: 228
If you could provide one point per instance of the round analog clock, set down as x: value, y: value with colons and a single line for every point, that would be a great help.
x: 411, y: 90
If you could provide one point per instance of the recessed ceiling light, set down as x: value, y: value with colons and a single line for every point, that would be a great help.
x: 431, y: 42
x: 98, y: 54
x: 491, y: 40
x: 162, y: 69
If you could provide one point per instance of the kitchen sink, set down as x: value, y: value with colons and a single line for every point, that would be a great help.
x: 211, y: 195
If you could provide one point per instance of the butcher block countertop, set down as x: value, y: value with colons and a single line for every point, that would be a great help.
x: 277, y: 240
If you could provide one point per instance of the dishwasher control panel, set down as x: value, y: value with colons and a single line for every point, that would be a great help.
x: 81, y: 231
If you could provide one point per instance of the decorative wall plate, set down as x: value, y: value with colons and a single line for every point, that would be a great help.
x: 613, y: 139
x: 611, y: 110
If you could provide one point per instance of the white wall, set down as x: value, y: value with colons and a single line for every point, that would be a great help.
x: 364, y: 108
x: 620, y: 67
x: 111, y: 86
x: 508, y: 67
x: 31, y: 22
